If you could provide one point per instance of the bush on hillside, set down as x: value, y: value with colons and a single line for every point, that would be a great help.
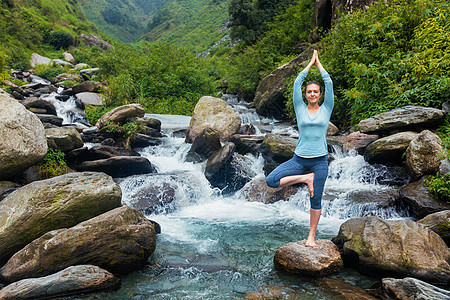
x: 60, y: 39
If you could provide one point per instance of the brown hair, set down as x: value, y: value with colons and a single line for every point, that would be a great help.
x: 314, y: 82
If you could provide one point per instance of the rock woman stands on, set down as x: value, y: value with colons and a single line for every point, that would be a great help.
x: 310, y: 161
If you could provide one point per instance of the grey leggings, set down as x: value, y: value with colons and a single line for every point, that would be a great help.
x: 297, y: 166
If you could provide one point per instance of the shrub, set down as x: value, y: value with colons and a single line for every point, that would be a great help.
x: 48, y: 72
x: 54, y: 164
x: 60, y: 39
x: 439, y: 187
x: 94, y: 113
x: 3, y: 72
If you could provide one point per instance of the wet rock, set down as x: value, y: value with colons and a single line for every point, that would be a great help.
x: 216, y: 114
x: 120, y: 241
x: 419, y: 202
x: 119, y: 166
x: 140, y: 140
x: 120, y: 114
x: 63, y: 138
x: 440, y: 223
x: 411, y: 288
x: 389, y: 149
x: 322, y: 260
x: 204, y: 145
x: 48, y: 89
x: 424, y: 154
x: 70, y: 281
x: 358, y: 141
x: 22, y: 138
x: 58, y: 202
x: 247, y: 143
x: 87, y: 86
x: 276, y: 150
x: 258, y: 191
x: 102, y: 152
x: 403, y: 118
x: 344, y: 290
x: 218, y: 161
x: 385, y: 198
x: 247, y: 129
x: 88, y: 98
x: 51, y: 119
x: 154, y: 199
x: 273, y: 292
x: 397, y: 247
x: 34, y: 102
x: 269, y: 96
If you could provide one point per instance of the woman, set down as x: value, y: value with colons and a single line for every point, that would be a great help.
x: 310, y: 161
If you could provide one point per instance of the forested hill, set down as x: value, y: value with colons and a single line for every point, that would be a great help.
x: 125, y: 20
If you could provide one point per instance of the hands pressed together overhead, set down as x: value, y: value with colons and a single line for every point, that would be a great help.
x: 314, y: 62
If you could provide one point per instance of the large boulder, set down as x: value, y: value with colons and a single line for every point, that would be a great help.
x: 37, y: 59
x: 257, y: 191
x: 119, y: 166
x: 389, y: 149
x: 92, y: 40
x: 440, y: 223
x: 89, y: 98
x: 119, y: 241
x: 37, y: 105
x: 216, y: 114
x: 420, y: 203
x: 67, y: 76
x: 63, y: 138
x: 120, y: 114
x: 411, y: 288
x: 396, y: 247
x: 87, y: 86
x: 58, y: 202
x: 403, y: 118
x: 50, y: 119
x: 276, y: 150
x: 424, y: 154
x: 247, y: 143
x: 322, y: 260
x: 340, y: 289
x: 269, y: 97
x: 355, y: 141
x: 204, y: 145
x: 22, y: 138
x: 70, y: 281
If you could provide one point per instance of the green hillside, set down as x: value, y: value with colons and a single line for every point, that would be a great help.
x: 32, y: 25
x: 196, y: 24
x: 125, y: 20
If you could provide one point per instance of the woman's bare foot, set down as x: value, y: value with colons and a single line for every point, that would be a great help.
x: 310, y: 182
x: 310, y: 243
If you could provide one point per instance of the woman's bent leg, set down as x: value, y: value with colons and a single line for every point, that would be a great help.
x: 292, y: 167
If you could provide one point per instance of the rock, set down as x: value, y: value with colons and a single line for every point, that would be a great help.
x: 58, y: 202
x: 81, y: 66
x: 87, y: 86
x: 22, y: 138
x: 424, y: 154
x: 87, y: 74
x: 216, y: 114
x: 63, y: 138
x: 389, y: 149
x: 332, y: 129
x: 276, y: 150
x: 102, y: 152
x: 6, y: 188
x: 446, y: 107
x: 269, y: 96
x: 343, y: 290
x: 61, y: 62
x: 51, y: 119
x: 204, y: 145
x: 88, y: 98
x: 150, y: 122
x: 67, y: 76
x: 403, y: 118
x: 356, y: 141
x: 385, y: 198
x: 37, y: 59
x: 69, y: 57
x: 154, y: 198
x: 34, y: 102
x: 396, y: 247
x: 273, y: 292
x: 70, y: 281
x: 247, y: 129
x: 418, y: 201
x: 247, y: 143
x: 440, y: 223
x: 140, y: 140
x: 119, y: 241
x: 411, y: 288
x: 258, y: 191
x: 93, y: 40
x: 120, y: 114
x: 322, y: 260
x: 444, y: 167
x: 119, y: 166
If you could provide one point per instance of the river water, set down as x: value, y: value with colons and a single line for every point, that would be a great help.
x: 221, y: 247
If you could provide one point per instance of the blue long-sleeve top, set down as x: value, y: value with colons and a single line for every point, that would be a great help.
x: 312, y: 129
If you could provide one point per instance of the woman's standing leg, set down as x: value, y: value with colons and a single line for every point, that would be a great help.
x: 320, y: 170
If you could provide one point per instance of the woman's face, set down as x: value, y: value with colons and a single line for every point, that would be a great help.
x: 313, y: 93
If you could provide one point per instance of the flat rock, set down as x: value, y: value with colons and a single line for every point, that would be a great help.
x: 411, y: 288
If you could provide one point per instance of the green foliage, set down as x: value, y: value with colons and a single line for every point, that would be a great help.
x: 444, y: 133
x: 48, y: 72
x: 60, y: 39
x: 123, y: 134
x: 439, y: 187
x: 393, y: 54
x: 54, y: 164
x: 94, y: 113
x: 3, y: 72
x: 159, y: 71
